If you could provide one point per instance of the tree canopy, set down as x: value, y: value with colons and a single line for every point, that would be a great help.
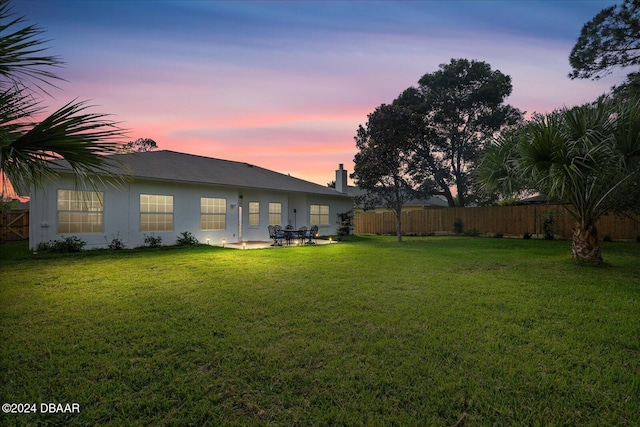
x: 383, y: 163
x: 611, y: 39
x: 28, y: 146
x: 140, y: 145
x: 460, y: 107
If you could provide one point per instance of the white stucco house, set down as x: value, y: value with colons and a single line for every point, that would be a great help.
x: 167, y: 193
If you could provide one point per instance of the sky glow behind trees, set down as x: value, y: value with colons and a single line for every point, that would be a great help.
x: 284, y: 85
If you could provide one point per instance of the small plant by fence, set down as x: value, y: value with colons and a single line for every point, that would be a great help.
x: 14, y: 224
x: 535, y: 221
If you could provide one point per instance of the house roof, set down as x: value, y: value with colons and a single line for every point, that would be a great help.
x: 540, y: 199
x: 169, y: 165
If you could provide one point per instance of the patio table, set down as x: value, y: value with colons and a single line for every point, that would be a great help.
x: 291, y: 233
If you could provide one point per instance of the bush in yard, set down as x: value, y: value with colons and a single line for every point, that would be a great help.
x: 66, y: 245
x: 457, y: 226
x: 186, y: 238
x: 473, y: 232
x: 549, y: 224
x: 116, y: 244
x: 42, y: 247
x: 152, y: 241
x: 345, y: 221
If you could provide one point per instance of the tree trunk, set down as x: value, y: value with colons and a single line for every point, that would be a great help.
x: 462, y: 202
x: 446, y: 192
x: 398, y: 213
x: 586, y: 246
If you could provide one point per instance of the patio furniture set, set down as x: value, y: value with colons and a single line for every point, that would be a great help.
x: 303, y: 235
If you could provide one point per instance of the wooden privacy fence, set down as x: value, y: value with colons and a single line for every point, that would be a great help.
x: 14, y: 225
x: 510, y: 221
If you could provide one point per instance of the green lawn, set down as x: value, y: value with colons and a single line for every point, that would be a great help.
x: 432, y: 331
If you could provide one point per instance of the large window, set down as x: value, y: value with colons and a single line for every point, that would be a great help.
x: 213, y: 213
x: 80, y: 211
x: 275, y: 213
x: 319, y: 215
x: 156, y: 212
x: 254, y: 214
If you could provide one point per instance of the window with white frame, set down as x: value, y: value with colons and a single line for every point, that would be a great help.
x: 275, y: 213
x: 213, y: 213
x: 254, y: 214
x: 319, y: 215
x: 80, y: 211
x: 156, y: 212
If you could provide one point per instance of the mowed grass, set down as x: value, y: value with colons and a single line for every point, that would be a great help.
x: 433, y: 331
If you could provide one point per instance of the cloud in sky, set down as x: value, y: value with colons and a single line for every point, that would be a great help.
x: 285, y: 84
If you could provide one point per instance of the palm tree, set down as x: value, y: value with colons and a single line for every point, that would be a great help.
x: 583, y: 156
x: 28, y: 146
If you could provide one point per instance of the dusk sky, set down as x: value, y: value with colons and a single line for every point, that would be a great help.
x: 285, y: 84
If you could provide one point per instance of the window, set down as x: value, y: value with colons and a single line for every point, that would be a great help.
x: 156, y: 212
x: 80, y: 211
x: 254, y: 214
x: 275, y: 213
x: 213, y: 213
x: 319, y: 215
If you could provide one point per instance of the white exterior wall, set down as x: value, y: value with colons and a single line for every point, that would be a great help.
x: 122, y: 212
x: 295, y: 211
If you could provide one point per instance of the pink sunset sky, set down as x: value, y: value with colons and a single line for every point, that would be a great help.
x: 285, y: 84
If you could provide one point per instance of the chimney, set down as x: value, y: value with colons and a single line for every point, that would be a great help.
x: 341, y: 179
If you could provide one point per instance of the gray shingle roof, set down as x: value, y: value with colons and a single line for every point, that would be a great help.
x: 169, y: 165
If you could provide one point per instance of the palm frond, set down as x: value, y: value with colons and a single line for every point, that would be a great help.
x: 29, y: 149
x: 82, y: 139
x: 17, y: 106
x: 496, y: 171
x: 22, y: 61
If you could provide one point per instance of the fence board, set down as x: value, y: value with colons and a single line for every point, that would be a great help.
x: 14, y: 225
x: 510, y: 221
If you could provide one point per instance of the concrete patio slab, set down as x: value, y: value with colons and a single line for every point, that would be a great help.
x: 267, y: 244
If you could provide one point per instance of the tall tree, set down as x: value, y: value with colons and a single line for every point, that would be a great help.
x: 629, y: 88
x: 585, y: 156
x: 27, y: 146
x: 461, y: 106
x: 611, y: 39
x: 383, y: 162
x: 140, y: 145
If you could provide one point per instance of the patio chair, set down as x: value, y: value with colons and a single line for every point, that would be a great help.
x: 312, y: 235
x: 275, y: 233
x: 280, y: 234
x: 302, y: 234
